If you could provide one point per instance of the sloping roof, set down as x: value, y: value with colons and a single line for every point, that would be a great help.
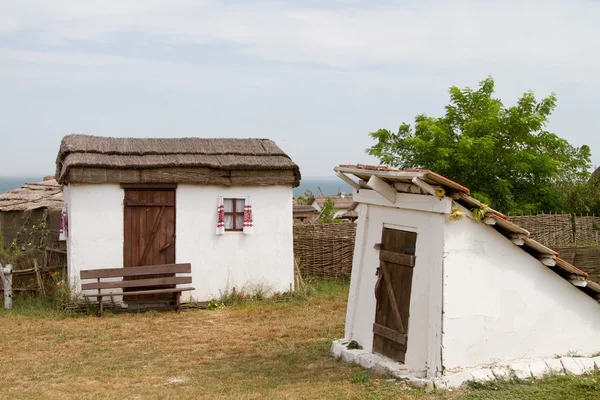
x: 498, y: 221
x: 83, y: 151
x: 339, y: 202
x: 304, y: 208
x: 33, y: 196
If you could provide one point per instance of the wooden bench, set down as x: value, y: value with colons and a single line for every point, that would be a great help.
x: 138, y: 277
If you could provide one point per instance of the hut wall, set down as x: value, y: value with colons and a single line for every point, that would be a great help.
x: 95, y: 238
x: 219, y: 262
x: 502, y: 305
x: 246, y: 262
x: 424, y: 329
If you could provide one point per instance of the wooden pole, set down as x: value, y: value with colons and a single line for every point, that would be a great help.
x: 6, y: 275
x: 38, y: 277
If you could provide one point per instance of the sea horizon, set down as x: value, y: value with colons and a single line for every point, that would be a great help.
x: 318, y: 185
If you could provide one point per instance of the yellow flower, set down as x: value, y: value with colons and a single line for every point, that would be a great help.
x: 440, y: 192
x: 456, y: 215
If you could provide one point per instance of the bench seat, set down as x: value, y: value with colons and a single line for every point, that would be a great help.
x: 145, y: 278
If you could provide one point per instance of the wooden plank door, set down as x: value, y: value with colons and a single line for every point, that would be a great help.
x: 149, y: 217
x: 392, y: 291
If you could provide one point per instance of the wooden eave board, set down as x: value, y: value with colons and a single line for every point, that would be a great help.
x: 593, y: 286
x: 537, y: 246
x: 473, y: 202
x: 565, y: 266
x: 508, y: 226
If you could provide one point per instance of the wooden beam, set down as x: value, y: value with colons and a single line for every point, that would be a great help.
x: 405, y: 201
x: 6, y: 275
x: 346, y: 179
x: 383, y: 188
x: 392, y: 296
x: 424, y: 185
x: 390, y: 334
x: 408, y: 188
x: 397, y: 258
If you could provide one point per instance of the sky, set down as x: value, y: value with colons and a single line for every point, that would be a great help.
x: 314, y: 76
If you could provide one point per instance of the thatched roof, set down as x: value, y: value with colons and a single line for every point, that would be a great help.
x: 84, y: 151
x: 33, y: 196
x: 339, y: 202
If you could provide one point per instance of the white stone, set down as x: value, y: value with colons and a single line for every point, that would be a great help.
x: 458, y: 379
x: 483, y: 375
x: 501, y: 372
x: 597, y: 362
x: 586, y: 364
x: 377, y: 363
x: 351, y: 356
x: 337, y: 346
x: 521, y: 370
x: 418, y: 383
x: 539, y: 369
x: 440, y: 384
x: 177, y: 380
x: 571, y: 366
x: 555, y: 366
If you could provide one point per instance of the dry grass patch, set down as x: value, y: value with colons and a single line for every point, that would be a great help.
x: 277, y: 350
x: 252, y: 351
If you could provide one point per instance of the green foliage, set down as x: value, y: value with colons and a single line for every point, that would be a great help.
x: 353, y: 345
x: 503, y: 154
x: 479, y: 212
x: 305, y: 199
x: 327, y: 214
x: 360, y: 376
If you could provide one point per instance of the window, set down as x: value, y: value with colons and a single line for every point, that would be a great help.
x: 234, y: 214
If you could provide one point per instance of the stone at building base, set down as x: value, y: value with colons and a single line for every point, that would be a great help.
x: 453, y: 379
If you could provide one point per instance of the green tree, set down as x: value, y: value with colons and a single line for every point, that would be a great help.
x: 327, y: 214
x: 504, y: 155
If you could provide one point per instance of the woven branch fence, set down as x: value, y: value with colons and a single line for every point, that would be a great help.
x: 561, y: 229
x: 325, y: 250
x: 576, y: 238
x: 586, y: 258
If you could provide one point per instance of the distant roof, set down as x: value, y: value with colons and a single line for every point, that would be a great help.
x: 86, y: 151
x: 33, y: 196
x: 352, y: 214
x: 339, y: 202
x: 305, y: 208
x: 460, y: 195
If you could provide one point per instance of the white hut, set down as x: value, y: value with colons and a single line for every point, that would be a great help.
x: 223, y: 205
x: 438, y: 294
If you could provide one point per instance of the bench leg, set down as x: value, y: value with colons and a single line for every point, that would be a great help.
x: 178, y: 301
x: 101, y: 308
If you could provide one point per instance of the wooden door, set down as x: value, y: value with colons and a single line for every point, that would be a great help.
x: 149, y: 227
x: 149, y: 216
x: 392, y: 291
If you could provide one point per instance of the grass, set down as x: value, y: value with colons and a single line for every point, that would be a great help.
x: 254, y: 350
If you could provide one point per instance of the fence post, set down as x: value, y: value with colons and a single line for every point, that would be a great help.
x: 6, y: 275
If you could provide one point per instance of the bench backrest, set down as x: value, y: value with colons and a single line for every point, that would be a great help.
x: 137, y: 272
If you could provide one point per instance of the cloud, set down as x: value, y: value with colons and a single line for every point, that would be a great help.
x: 454, y: 34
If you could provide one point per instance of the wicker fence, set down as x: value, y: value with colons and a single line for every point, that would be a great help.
x: 576, y: 238
x: 325, y: 250
x: 561, y: 229
x: 587, y: 258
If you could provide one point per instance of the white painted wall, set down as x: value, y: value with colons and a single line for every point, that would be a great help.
x: 502, y: 305
x: 264, y: 259
x: 424, y: 330
x: 220, y: 262
x: 95, y: 241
